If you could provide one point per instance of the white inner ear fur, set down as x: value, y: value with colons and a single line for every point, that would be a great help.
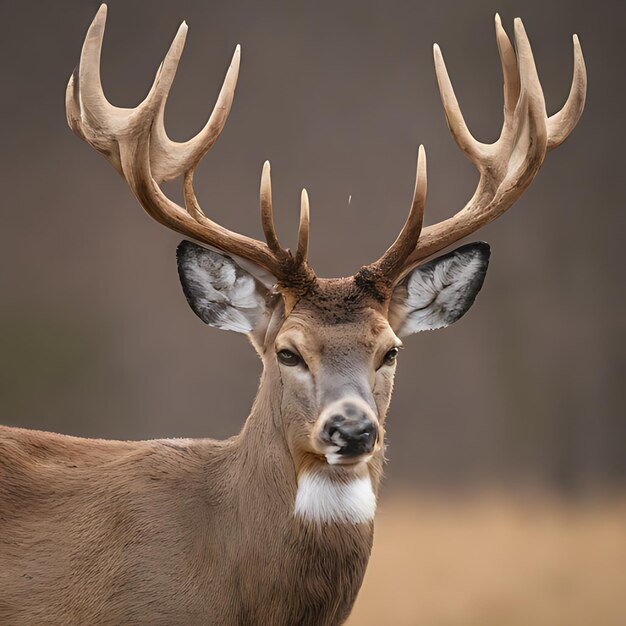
x: 320, y: 498
x: 220, y: 292
x: 438, y: 293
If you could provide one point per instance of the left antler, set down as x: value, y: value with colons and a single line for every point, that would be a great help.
x: 136, y: 144
x: 506, y: 167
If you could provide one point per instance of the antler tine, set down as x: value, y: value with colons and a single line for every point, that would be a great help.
x: 561, y: 124
x: 529, y: 79
x: 89, y: 114
x: 191, y: 201
x: 535, y: 131
x: 267, y: 211
x: 474, y: 149
x: 170, y: 158
x: 510, y: 72
x: 303, y: 229
x: 392, y: 262
x: 154, y: 102
x: 91, y: 94
x: 416, y: 215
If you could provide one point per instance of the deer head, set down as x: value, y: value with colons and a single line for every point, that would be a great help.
x: 328, y: 345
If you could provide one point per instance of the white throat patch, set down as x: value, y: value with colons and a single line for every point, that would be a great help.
x: 322, y: 499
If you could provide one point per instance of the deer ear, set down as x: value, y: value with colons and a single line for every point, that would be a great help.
x: 440, y: 292
x: 220, y: 292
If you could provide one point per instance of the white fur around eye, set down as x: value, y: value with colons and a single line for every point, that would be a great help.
x: 320, y: 498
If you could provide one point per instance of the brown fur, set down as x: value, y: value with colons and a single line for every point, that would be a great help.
x: 154, y: 532
x: 189, y: 531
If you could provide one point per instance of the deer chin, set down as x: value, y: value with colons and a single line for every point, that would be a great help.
x: 334, y: 457
x: 329, y: 457
x: 331, y: 462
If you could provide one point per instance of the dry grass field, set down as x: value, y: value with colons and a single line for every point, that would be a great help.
x: 493, y: 561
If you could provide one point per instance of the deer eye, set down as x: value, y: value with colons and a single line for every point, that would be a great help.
x: 287, y: 357
x: 391, y: 356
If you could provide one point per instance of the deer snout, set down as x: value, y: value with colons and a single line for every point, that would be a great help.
x: 353, y: 436
x: 348, y: 431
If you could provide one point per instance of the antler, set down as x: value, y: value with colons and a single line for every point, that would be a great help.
x: 506, y: 167
x: 135, y: 142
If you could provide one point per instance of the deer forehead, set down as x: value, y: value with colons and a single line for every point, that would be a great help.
x: 312, y: 334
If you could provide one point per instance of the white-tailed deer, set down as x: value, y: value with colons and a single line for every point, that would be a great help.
x: 273, y: 526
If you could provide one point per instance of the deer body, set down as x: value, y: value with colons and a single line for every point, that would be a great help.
x: 273, y: 526
x: 175, y: 531
x: 167, y: 532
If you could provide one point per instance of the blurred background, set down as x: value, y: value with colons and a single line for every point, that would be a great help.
x: 503, y: 501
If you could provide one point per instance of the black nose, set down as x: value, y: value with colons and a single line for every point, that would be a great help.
x: 354, y: 434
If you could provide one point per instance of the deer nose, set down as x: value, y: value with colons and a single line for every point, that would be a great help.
x: 354, y: 433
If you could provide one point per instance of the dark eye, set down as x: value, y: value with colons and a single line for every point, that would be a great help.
x: 287, y: 357
x: 391, y: 356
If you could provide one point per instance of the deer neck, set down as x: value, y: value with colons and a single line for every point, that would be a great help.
x: 270, y: 472
x: 316, y: 569
x: 264, y: 465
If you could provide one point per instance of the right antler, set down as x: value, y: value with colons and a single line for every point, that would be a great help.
x: 506, y: 167
x: 136, y: 144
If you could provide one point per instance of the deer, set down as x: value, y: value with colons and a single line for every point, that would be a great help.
x: 273, y: 525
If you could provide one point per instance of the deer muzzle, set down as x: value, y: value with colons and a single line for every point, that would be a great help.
x: 347, y: 432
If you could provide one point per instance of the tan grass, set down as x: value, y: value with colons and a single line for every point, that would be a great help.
x: 495, y: 561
